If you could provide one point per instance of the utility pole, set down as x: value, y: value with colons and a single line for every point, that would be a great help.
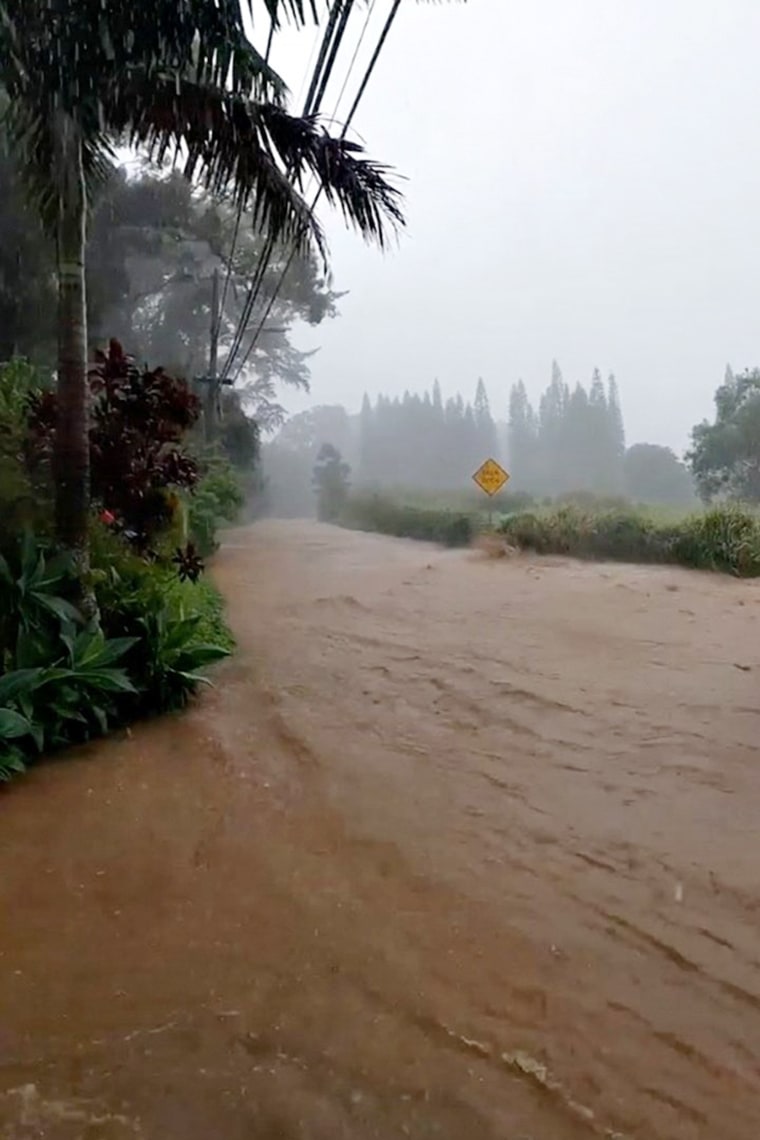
x: 212, y: 380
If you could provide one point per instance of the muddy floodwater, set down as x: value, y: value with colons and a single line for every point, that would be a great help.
x: 457, y: 848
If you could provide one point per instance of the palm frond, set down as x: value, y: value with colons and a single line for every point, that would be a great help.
x: 64, y: 46
x: 185, y: 80
x: 358, y: 186
x: 36, y: 137
x: 241, y: 146
x: 296, y: 11
x: 56, y: 59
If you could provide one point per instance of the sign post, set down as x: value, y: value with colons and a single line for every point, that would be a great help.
x: 491, y: 477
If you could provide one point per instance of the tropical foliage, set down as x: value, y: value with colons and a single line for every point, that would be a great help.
x: 80, y: 75
x: 154, y: 244
x: 217, y: 498
x: 20, y: 503
x: 64, y: 680
x: 137, y: 424
x: 64, y: 676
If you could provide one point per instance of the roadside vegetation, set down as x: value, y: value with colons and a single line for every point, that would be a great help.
x: 403, y: 467
x: 115, y: 476
x: 384, y: 516
x: 724, y: 538
x: 158, y: 624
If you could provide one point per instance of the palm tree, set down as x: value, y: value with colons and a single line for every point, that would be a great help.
x: 178, y: 78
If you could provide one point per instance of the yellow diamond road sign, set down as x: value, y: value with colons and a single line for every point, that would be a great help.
x: 491, y: 477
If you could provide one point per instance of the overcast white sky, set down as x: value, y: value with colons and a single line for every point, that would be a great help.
x: 583, y: 183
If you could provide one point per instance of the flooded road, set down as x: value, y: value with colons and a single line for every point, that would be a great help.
x: 456, y: 848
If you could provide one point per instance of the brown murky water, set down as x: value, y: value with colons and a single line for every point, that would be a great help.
x: 457, y: 848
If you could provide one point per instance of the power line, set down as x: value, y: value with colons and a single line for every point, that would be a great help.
x: 372, y: 62
x: 332, y: 23
x: 352, y: 64
x: 254, y: 288
x: 248, y: 304
x: 217, y: 325
x: 362, y: 88
x: 305, y: 79
x: 340, y: 31
x: 228, y: 274
x: 331, y: 41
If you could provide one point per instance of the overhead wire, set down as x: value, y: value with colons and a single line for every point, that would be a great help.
x: 307, y: 72
x: 239, y: 216
x: 352, y: 64
x: 325, y: 47
x: 228, y: 274
x: 331, y: 41
x: 311, y: 106
x: 330, y: 62
x: 371, y: 64
x: 349, y: 118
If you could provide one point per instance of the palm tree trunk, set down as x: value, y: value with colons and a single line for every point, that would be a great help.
x: 71, y: 456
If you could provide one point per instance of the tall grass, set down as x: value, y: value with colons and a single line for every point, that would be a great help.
x: 384, y: 516
x: 725, y: 538
x: 467, y: 500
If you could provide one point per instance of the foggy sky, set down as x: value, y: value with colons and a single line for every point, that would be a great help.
x: 583, y: 184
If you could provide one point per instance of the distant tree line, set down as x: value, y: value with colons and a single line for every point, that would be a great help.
x: 572, y: 442
x: 420, y: 441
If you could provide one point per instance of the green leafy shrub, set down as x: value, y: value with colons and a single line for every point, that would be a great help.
x: 21, y: 504
x: 724, y: 538
x: 49, y: 701
x: 172, y: 653
x: 218, y: 498
x: 33, y: 589
x: 177, y: 627
x: 59, y: 683
x: 374, y: 513
x: 203, y: 598
x: 62, y: 682
x: 13, y: 727
x: 138, y: 462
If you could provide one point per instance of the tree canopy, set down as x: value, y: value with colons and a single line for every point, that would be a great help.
x: 153, y: 245
x: 187, y: 81
x: 654, y: 474
x: 725, y: 454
